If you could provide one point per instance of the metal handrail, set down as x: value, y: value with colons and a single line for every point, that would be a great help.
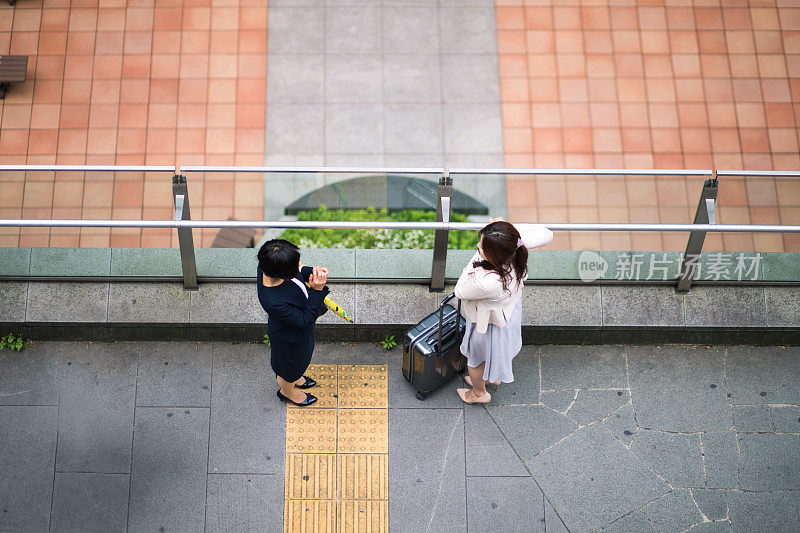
x: 402, y: 170
x: 331, y: 224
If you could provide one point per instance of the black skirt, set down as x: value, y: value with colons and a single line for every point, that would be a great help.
x: 290, y: 360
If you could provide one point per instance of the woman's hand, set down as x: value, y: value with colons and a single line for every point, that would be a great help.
x: 318, y: 278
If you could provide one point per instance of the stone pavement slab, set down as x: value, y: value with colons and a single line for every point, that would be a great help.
x: 679, y: 388
x: 558, y: 400
x: 635, y: 522
x: 31, y: 377
x: 504, y: 504
x: 525, y: 388
x: 531, y: 428
x: 244, y: 502
x: 593, y: 405
x: 488, y: 451
x: 27, y: 456
x: 721, y: 454
x: 786, y: 418
x: 765, y: 512
x: 769, y: 462
x: 583, y: 366
x: 763, y: 374
x: 589, y: 498
x: 168, y: 476
x: 426, y: 467
x: 90, y: 502
x: 676, y: 457
x: 674, y: 512
x: 752, y: 418
x: 623, y: 424
x: 712, y: 503
x: 173, y: 373
x: 247, y: 418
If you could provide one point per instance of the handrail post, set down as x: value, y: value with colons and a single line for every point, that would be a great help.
x: 705, y: 215
x: 440, y: 236
x: 180, y: 197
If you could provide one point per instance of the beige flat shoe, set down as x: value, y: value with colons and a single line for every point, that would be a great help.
x: 468, y: 381
x: 486, y: 398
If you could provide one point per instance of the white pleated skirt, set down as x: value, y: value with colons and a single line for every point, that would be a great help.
x: 497, y: 347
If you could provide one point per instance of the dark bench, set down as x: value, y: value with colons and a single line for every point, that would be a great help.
x: 12, y: 70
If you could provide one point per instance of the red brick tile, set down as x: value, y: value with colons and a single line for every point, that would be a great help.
x: 631, y: 90
x: 711, y: 42
x: 697, y: 160
x: 629, y: 65
x: 225, y: 18
x: 754, y: 140
x: 575, y: 115
x: 764, y: 18
x: 539, y: 42
x: 109, y: 42
x: 255, y: 42
x: 666, y: 140
x: 512, y: 65
x: 569, y: 42
x: 667, y: 160
x: 549, y: 160
x: 193, y: 91
x: 103, y: 115
x: 624, y: 18
x: 105, y: 91
x: 543, y: 90
x: 252, y: 66
x: 740, y: 42
x: 545, y: 115
x: 744, y: 66
x: 626, y: 42
x: 54, y: 19
x: 736, y: 18
x: 160, y: 141
x: 191, y: 141
x: 111, y: 19
x: 783, y: 139
x: 541, y: 65
x: 570, y: 65
x: 513, y: 161
x: 15, y: 116
x: 598, y: 42
x: 602, y: 90
x: 135, y: 66
x: 194, y: 66
x: 134, y: 91
x: 14, y: 142
x: 162, y: 115
x: 752, y: 161
x: 708, y: 18
x: 547, y: 140
x: 641, y: 192
x: 138, y: 42
x: 224, y: 66
x: 571, y: 90
x: 513, y: 115
x: 191, y: 115
x: 131, y: 141
x: 722, y: 115
x: 72, y: 141
x: 577, y: 140
x: 636, y: 140
x: 599, y: 65
x: 252, y: 140
x: 684, y: 42
x: 720, y: 90
x: 695, y: 140
x: 606, y: 140
x: 166, y: 42
x: 80, y: 42
x: 507, y: 18
x: 691, y: 114
x: 776, y: 90
x: 778, y: 114
x: 74, y: 116
x: 167, y: 18
x: 78, y: 66
x: 725, y: 140
x: 652, y: 18
x: 49, y: 43
x: 101, y: 141
x: 604, y: 115
x: 42, y: 141
x: 163, y: 90
x: 633, y: 115
x: 224, y: 42
x: 26, y: 20
x: 680, y: 18
x: 595, y: 18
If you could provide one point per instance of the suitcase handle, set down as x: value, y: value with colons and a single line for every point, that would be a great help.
x: 441, y: 317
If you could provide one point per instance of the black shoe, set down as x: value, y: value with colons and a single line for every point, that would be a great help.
x: 308, y: 384
x: 310, y: 398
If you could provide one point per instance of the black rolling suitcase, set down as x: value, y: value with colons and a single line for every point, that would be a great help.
x: 431, y: 353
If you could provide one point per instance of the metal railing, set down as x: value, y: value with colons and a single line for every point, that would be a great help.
x: 704, y: 220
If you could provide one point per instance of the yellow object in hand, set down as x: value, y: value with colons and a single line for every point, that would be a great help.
x: 333, y: 306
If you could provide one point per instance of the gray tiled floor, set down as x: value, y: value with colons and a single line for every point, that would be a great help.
x: 107, y: 437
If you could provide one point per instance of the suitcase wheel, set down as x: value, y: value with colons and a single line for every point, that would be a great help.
x: 420, y: 396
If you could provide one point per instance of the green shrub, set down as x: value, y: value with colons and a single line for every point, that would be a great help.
x: 375, y: 238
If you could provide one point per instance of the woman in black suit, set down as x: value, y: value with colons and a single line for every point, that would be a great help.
x: 292, y: 295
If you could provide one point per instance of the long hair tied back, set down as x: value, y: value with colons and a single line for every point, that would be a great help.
x: 503, y: 252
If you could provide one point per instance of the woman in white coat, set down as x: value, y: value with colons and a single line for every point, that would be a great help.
x: 490, y: 288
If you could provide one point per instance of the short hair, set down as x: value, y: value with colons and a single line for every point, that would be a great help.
x: 279, y: 258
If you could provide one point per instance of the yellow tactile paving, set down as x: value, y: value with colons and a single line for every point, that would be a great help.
x: 309, y: 516
x: 310, y: 430
x: 325, y: 389
x: 364, y: 386
x: 363, y: 431
x: 310, y: 476
x: 337, y: 453
x: 360, y: 516
x: 362, y: 477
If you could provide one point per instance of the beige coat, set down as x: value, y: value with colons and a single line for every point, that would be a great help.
x: 483, y: 299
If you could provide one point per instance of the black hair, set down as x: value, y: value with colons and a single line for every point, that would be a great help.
x: 501, y: 253
x: 279, y: 258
